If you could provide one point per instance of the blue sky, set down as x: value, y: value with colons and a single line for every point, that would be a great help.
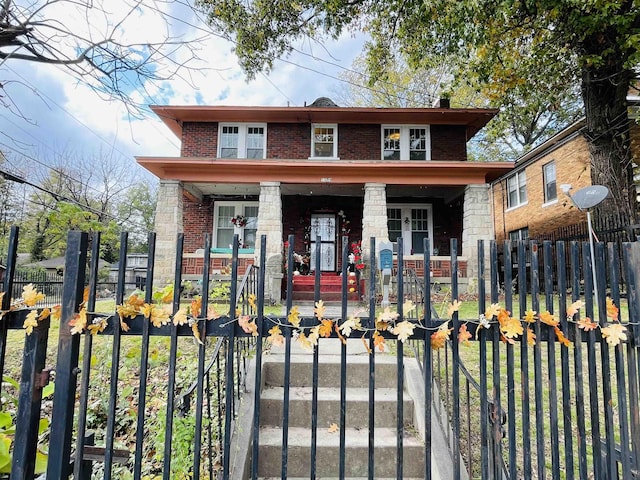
x: 49, y: 111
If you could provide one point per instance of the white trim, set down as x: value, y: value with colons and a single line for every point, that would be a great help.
x: 548, y: 204
x: 243, y: 129
x: 238, y: 210
x: 405, y: 211
x: 404, y: 141
x: 334, y: 126
x: 510, y: 209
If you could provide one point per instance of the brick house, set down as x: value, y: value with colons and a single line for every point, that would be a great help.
x: 528, y: 201
x: 321, y: 170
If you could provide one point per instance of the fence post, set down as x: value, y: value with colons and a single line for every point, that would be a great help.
x: 67, y: 363
x: 30, y: 398
x: 632, y: 264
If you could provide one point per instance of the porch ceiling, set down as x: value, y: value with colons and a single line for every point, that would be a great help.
x: 338, y: 172
x: 308, y: 189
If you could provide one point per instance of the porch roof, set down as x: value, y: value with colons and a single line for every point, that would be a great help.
x: 247, y: 171
x: 473, y: 118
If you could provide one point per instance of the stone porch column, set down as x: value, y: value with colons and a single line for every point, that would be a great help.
x: 374, y: 216
x: 168, y: 224
x: 270, y: 224
x: 477, y: 224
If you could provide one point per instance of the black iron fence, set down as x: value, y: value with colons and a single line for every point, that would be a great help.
x: 537, y: 383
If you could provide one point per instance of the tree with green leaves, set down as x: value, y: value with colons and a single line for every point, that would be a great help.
x: 506, y: 46
x: 527, y: 116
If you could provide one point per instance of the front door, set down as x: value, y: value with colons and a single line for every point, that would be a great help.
x: 323, y: 225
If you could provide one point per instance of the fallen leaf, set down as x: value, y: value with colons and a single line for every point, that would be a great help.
x: 439, y: 337
x: 326, y: 327
x: 531, y: 337
x: 30, y: 295
x: 378, y: 341
x: 612, y: 310
x: 511, y: 328
x: 180, y: 317
x: 548, y: 319
x: 453, y: 307
x: 333, y: 428
x: 561, y: 337
x: 530, y: 316
x: 294, y: 316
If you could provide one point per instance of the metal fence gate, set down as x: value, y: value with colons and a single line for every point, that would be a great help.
x: 534, y: 383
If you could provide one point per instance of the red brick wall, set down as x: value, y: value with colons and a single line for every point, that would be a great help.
x: 355, y: 142
x: 288, y: 140
x: 448, y: 142
x: 572, y: 167
x: 359, y: 142
x: 199, y: 139
x: 197, y: 222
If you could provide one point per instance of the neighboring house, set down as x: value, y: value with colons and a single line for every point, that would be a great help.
x: 135, y: 270
x: 56, y: 265
x: 528, y: 202
x: 321, y: 170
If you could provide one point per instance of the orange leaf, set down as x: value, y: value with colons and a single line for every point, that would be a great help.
x: 333, y: 428
x: 196, y: 306
x: 453, y: 307
x: 326, y: 327
x: 574, y: 308
x: 492, y: 311
x: 587, y: 324
x: 561, y: 338
x: 196, y: 332
x: 378, y: 341
x: 614, y: 333
x: 294, y: 317
x: 612, y: 310
x: 275, y: 336
x: 365, y: 343
x: 251, y: 300
x: 439, y: 337
x: 504, y: 316
x: 464, y: 335
x: 549, y: 319
x: 248, y: 325
x: 511, y: 328
x: 531, y: 337
x: 31, y: 295
x: 56, y: 310
x: 530, y: 316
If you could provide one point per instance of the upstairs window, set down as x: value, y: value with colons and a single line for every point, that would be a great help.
x: 241, y: 141
x: 517, y: 190
x: 549, y: 175
x: 324, y: 141
x: 406, y: 143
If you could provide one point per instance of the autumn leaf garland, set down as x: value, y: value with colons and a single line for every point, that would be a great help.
x: 159, y: 314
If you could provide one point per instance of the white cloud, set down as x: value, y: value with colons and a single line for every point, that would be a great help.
x: 82, y: 120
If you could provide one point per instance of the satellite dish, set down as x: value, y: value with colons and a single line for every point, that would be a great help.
x: 589, y: 197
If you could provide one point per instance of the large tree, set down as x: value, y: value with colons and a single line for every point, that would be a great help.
x: 506, y: 45
x: 527, y: 115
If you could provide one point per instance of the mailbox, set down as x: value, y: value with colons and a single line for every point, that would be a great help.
x: 385, y: 265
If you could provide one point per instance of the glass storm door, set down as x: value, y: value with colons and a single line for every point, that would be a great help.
x: 323, y: 225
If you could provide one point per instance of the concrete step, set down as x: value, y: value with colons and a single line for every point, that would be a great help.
x: 328, y: 407
x: 329, y: 370
x: 328, y: 445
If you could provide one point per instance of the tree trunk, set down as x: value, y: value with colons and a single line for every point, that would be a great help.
x: 604, y: 92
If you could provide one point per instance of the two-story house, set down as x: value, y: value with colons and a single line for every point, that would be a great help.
x: 528, y: 202
x: 321, y: 171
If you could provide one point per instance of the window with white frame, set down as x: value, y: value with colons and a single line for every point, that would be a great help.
x: 519, y: 234
x: 549, y: 175
x: 406, y: 142
x: 516, y: 190
x: 224, y: 229
x: 241, y: 140
x: 412, y: 223
x: 324, y: 141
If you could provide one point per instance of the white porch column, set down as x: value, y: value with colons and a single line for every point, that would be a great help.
x: 270, y: 224
x: 374, y: 216
x: 168, y: 224
x: 477, y: 224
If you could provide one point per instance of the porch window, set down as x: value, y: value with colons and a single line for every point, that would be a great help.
x: 549, y: 175
x: 224, y: 229
x: 412, y: 223
x: 520, y: 234
x: 517, y: 190
x: 242, y: 141
x: 324, y: 141
x: 406, y: 143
